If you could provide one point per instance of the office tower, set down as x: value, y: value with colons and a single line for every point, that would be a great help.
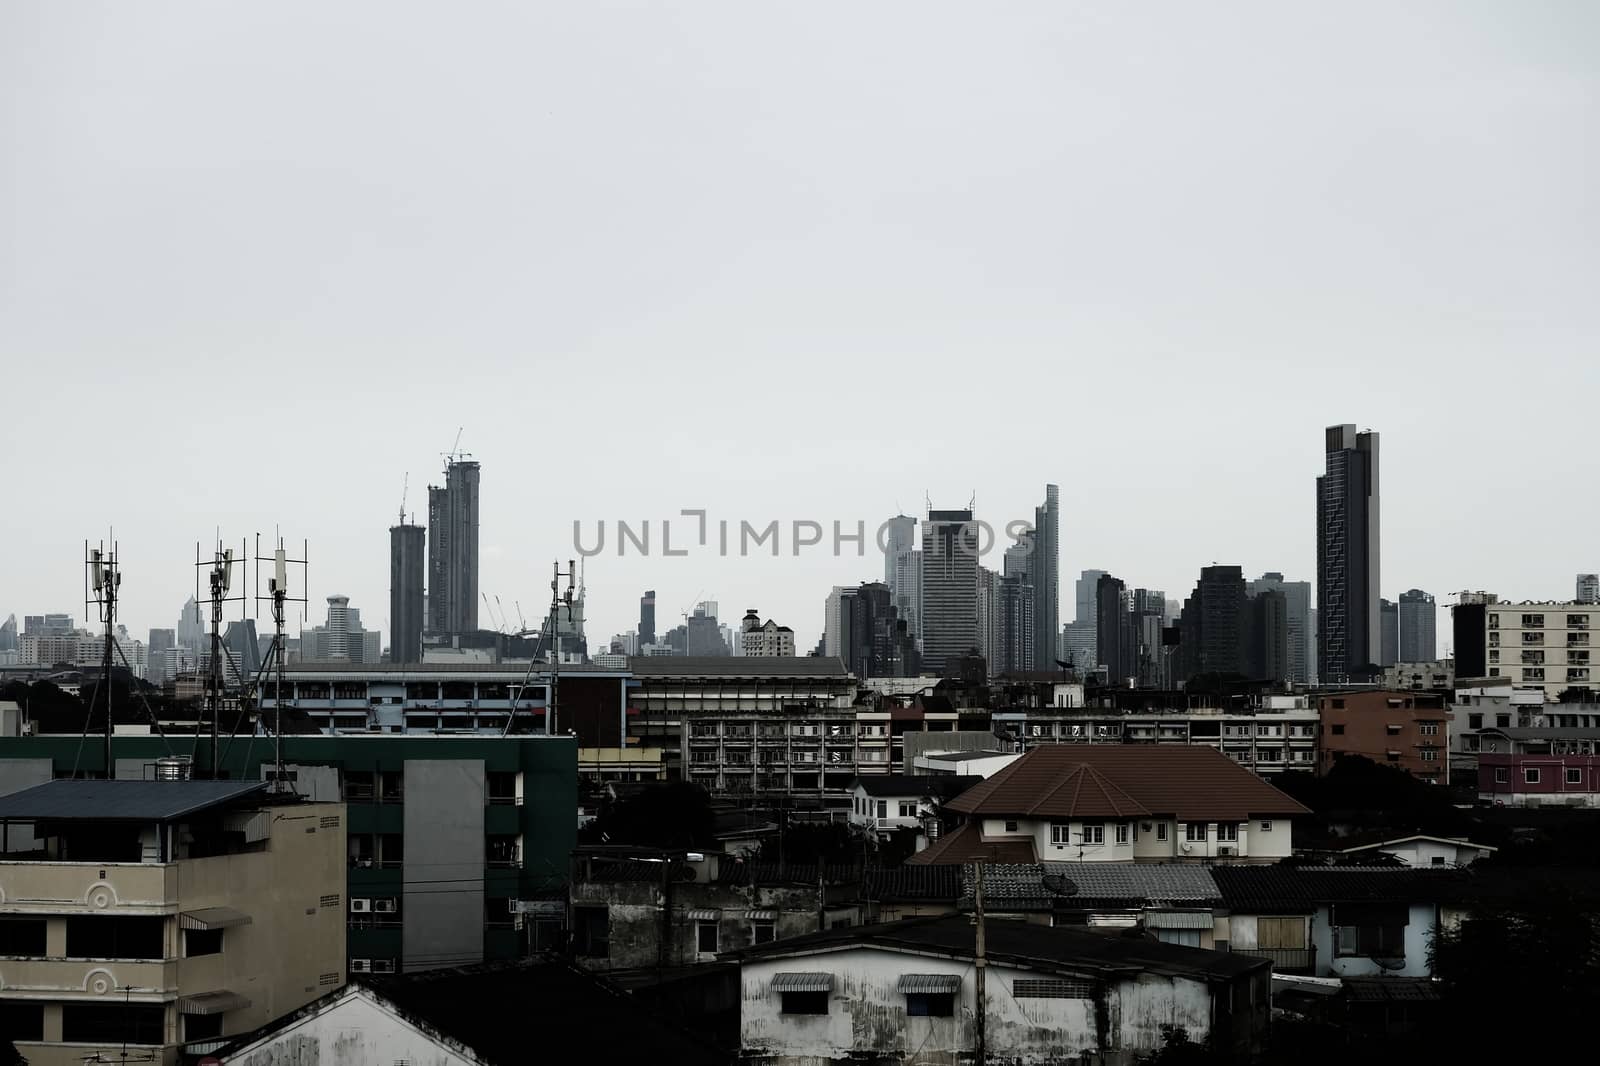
x: 158, y: 655
x: 833, y: 622
x: 1149, y: 617
x: 241, y: 651
x: 1045, y: 576
x: 1016, y: 613
x: 1019, y: 557
x: 407, y: 568
x: 1588, y: 588
x: 341, y: 638
x: 453, y: 550
x: 949, y: 589
x: 1088, y: 595
x: 1078, y: 645
x: 1350, y: 636
x: 647, y: 618
x: 8, y: 634
x: 906, y: 588
x: 1301, y: 632
x: 899, y: 535
x: 1389, y: 632
x: 989, y: 617
x: 704, y: 635
x: 1418, y: 623
x: 1114, y: 639
x: 1267, y: 636
x: 1212, y: 625
x: 873, y: 638
x: 193, y: 633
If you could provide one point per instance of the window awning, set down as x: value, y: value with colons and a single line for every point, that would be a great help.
x: 704, y: 916
x: 212, y: 918
x: 212, y: 1003
x: 915, y: 983
x: 802, y: 982
x: 1177, y: 919
x: 762, y: 916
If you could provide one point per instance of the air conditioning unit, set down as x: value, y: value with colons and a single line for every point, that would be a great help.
x: 384, y: 906
x: 383, y: 966
x: 1225, y: 850
x: 360, y: 906
x: 360, y: 965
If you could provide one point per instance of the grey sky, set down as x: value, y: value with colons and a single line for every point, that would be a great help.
x: 795, y: 261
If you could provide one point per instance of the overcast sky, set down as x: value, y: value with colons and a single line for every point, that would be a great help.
x: 797, y: 261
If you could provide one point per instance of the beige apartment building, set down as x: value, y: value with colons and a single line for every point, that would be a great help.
x: 1549, y: 645
x: 154, y: 919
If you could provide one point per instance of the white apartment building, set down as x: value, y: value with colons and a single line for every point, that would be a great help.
x: 765, y: 639
x: 1549, y: 645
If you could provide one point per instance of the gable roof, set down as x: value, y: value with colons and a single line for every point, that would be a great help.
x: 967, y: 845
x: 905, y: 883
x: 1460, y: 842
x: 490, y: 1010
x: 1061, y: 949
x: 1190, y: 783
x: 124, y: 801
x: 940, y: 786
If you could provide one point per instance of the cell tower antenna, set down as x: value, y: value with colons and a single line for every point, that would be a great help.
x: 102, y: 586
x: 405, y: 487
x: 220, y: 592
x: 277, y: 596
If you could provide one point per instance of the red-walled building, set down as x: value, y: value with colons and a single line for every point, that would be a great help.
x: 1521, y: 780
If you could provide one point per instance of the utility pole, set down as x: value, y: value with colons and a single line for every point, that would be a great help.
x: 979, y: 964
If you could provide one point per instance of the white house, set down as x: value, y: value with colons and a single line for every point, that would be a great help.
x: 1422, y: 850
x: 966, y: 763
x: 905, y: 992
x: 883, y: 803
x: 1120, y: 803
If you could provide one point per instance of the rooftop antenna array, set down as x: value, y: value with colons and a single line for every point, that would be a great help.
x: 559, y: 600
x: 102, y: 588
x: 277, y: 596
x: 219, y: 588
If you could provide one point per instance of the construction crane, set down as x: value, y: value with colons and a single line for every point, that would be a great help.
x: 405, y: 487
x: 455, y: 451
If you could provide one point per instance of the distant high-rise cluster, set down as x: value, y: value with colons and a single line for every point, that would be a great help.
x: 342, y: 638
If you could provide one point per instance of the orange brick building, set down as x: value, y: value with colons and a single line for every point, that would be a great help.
x: 1408, y: 730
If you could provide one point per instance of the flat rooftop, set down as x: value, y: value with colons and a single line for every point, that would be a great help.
x: 122, y: 801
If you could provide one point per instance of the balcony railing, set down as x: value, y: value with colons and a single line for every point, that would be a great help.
x: 1285, y: 960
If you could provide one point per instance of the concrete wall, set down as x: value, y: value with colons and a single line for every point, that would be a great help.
x: 1258, y: 841
x: 1420, y: 924
x: 355, y: 1031
x: 15, y: 776
x: 867, y: 1016
x: 444, y: 863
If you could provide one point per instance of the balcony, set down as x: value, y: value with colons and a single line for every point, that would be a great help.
x: 90, y: 978
x: 1285, y: 960
x: 64, y: 887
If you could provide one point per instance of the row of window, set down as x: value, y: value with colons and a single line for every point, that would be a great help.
x: 1530, y: 775
x: 1061, y: 833
x: 104, y: 937
x: 868, y: 808
x: 930, y: 1004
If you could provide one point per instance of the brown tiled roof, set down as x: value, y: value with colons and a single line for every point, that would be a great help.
x: 1196, y: 783
x: 967, y: 845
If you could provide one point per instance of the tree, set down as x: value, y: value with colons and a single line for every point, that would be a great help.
x: 672, y: 815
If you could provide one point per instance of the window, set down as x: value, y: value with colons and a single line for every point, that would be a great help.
x: 21, y: 1020
x: 1227, y: 831
x: 1266, y: 827
x: 1011, y: 826
x: 1338, y: 705
x: 931, y: 1004
x: 1277, y: 934
x: 883, y: 808
x: 94, y: 1023
x: 22, y: 936
x: 201, y: 942
x: 1385, y: 941
x: 1161, y: 830
x: 1429, y: 729
x: 805, y: 1003
x: 763, y: 932
x: 1061, y: 988
x: 1502, y: 721
x: 1500, y: 776
x: 592, y: 931
x: 1574, y: 776
x: 1338, y: 730
x: 1060, y: 833
x: 1530, y: 775
x: 1532, y: 621
x: 115, y: 938
x: 202, y: 1026
x: 908, y: 810
x: 1194, y: 831
x: 705, y: 937
x: 1094, y: 834
x: 1474, y: 721
x: 1122, y: 832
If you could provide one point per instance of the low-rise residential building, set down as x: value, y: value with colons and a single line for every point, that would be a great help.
x: 904, y: 993
x: 1526, y: 780
x: 965, y: 763
x: 884, y: 803
x: 1422, y: 850
x: 1406, y: 730
x: 1550, y: 645
x: 1433, y: 676
x: 1120, y: 803
x: 159, y: 917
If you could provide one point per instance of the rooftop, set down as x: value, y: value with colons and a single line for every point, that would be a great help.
x: 1051, y: 948
x: 123, y: 801
x: 1125, y: 781
x: 966, y: 844
x: 1159, y: 884
x: 739, y: 666
x: 420, y: 671
x: 1281, y: 886
x: 941, y: 786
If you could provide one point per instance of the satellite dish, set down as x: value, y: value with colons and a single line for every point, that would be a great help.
x: 1059, y: 885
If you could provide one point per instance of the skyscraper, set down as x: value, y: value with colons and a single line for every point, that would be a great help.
x: 1045, y: 576
x: 407, y: 565
x: 949, y: 588
x: 1266, y: 651
x: 1114, y: 634
x: 899, y: 535
x: 8, y: 634
x: 989, y: 618
x: 342, y: 638
x: 453, y: 550
x: 1301, y: 631
x: 873, y: 639
x: 1350, y: 626
x: 1389, y: 633
x: 1588, y: 588
x: 1212, y: 625
x: 647, y: 618
x: 1419, y: 620
x: 1016, y: 610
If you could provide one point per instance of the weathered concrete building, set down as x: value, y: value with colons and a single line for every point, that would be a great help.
x: 904, y: 992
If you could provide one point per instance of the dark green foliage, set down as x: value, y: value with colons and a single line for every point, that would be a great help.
x: 676, y: 814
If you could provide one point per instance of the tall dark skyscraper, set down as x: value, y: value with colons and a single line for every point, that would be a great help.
x: 949, y: 588
x: 647, y: 619
x: 1419, y: 627
x: 407, y: 564
x: 1044, y: 572
x: 1212, y: 625
x: 1115, y: 641
x: 453, y: 550
x: 1266, y: 650
x: 1349, y: 622
x: 1016, y: 610
x: 1388, y: 632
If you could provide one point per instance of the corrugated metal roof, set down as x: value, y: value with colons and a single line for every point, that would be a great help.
x: 802, y: 982
x: 1177, y: 919
x: 123, y: 801
x: 1304, y: 887
x: 928, y: 983
x: 212, y: 918
x: 754, y: 667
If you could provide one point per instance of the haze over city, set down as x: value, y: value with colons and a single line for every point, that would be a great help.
x: 727, y: 258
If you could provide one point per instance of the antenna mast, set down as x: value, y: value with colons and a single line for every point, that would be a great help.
x: 104, y: 577
x: 219, y: 584
x: 558, y: 600
x: 277, y: 596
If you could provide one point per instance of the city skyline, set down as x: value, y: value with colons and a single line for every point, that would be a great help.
x: 769, y: 218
